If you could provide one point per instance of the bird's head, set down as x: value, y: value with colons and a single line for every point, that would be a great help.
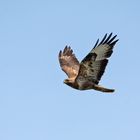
x: 68, y: 82
x: 71, y: 82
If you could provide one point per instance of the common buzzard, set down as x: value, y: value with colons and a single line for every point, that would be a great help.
x: 87, y: 74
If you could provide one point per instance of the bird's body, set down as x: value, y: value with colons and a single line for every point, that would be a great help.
x: 86, y: 85
x: 87, y: 74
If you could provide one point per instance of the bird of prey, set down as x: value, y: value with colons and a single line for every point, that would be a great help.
x: 87, y: 74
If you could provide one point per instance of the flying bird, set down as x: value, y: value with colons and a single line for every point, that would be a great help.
x: 86, y: 74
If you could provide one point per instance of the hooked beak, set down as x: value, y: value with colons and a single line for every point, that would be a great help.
x: 65, y: 81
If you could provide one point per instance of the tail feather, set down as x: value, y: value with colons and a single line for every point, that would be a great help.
x: 103, y: 89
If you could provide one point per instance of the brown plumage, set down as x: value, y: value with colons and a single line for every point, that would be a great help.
x: 87, y: 74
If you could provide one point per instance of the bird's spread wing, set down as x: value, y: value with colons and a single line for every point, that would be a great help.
x: 93, y: 65
x: 69, y: 62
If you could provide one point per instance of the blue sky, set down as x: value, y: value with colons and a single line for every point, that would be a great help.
x: 34, y: 102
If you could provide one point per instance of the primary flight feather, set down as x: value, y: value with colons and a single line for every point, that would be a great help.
x: 87, y: 74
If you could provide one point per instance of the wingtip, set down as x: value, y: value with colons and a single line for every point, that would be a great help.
x: 112, y: 34
x: 104, y: 38
x: 114, y: 42
x: 109, y: 36
x: 96, y: 43
x: 111, y: 39
x: 65, y: 49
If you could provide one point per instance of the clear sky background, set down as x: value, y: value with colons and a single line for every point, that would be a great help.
x: 34, y: 102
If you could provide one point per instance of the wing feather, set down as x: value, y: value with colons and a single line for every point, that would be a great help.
x: 105, y: 47
x: 93, y: 65
x: 68, y: 62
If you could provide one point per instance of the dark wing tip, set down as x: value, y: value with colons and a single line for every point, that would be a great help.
x: 66, y: 52
x: 103, y: 39
x: 107, y: 39
x: 96, y: 43
x: 65, y: 49
x: 114, y: 42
